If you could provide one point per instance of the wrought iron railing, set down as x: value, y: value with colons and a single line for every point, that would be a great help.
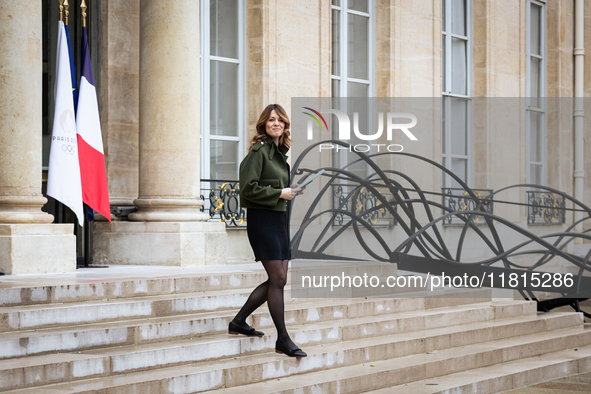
x: 545, y: 208
x: 514, y: 258
x: 357, y: 199
x: 458, y: 199
x: 222, y: 201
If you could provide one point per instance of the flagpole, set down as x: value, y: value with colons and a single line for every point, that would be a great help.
x: 86, y: 230
x: 93, y: 174
x: 83, y: 7
x: 67, y: 5
x: 60, y: 209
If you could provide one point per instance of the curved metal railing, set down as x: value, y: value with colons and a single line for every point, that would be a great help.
x: 407, y: 202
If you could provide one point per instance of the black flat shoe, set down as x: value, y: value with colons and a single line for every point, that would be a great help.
x: 295, y: 352
x: 235, y: 330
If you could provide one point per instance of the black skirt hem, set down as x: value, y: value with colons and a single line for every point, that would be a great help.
x: 268, y: 234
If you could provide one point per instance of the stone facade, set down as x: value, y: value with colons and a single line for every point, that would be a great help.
x: 149, y: 96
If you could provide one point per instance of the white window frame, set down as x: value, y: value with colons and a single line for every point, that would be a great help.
x: 447, y: 93
x: 529, y: 106
x: 340, y: 157
x: 343, y: 46
x: 206, y: 58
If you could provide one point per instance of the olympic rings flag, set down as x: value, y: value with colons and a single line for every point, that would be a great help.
x: 95, y: 192
x: 63, y: 178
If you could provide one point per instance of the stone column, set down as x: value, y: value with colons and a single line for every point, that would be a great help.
x: 169, y: 112
x: 28, y: 243
x: 169, y: 228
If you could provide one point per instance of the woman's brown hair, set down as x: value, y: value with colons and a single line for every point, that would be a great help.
x: 261, y: 127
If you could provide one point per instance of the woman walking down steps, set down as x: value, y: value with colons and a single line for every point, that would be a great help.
x: 264, y: 191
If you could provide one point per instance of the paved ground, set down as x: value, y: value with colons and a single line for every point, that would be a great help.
x: 84, y: 275
x: 572, y: 385
x: 128, y: 272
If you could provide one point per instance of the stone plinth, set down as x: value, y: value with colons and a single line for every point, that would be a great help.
x: 37, y: 249
x: 239, y: 248
x: 160, y: 243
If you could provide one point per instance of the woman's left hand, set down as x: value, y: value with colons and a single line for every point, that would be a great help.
x: 298, y: 191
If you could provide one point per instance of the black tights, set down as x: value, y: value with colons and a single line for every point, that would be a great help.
x: 271, y: 291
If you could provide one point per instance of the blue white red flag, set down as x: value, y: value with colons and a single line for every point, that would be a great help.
x: 95, y: 192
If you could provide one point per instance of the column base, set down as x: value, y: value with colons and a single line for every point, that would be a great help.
x: 23, y: 209
x: 37, y: 249
x: 159, y: 243
x: 168, y: 210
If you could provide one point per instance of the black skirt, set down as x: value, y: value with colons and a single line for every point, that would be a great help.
x: 268, y: 234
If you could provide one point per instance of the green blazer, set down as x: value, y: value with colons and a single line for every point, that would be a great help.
x: 263, y: 173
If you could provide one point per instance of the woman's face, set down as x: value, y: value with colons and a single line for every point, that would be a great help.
x: 275, y: 126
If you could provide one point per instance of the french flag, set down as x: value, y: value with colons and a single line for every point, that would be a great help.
x: 93, y: 174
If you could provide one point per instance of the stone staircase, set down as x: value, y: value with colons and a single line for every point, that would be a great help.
x: 168, y: 334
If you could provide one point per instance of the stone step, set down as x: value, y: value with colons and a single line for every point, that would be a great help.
x: 263, y: 366
x: 305, y: 335
x: 23, y: 317
x: 63, y: 314
x: 503, y: 377
x: 42, y: 316
x: 95, y: 286
x: 453, y: 369
x: 75, y: 291
x: 138, y: 331
x: 38, y: 316
x: 51, y: 315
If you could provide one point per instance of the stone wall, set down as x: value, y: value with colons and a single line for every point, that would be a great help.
x: 120, y: 36
x: 287, y: 53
